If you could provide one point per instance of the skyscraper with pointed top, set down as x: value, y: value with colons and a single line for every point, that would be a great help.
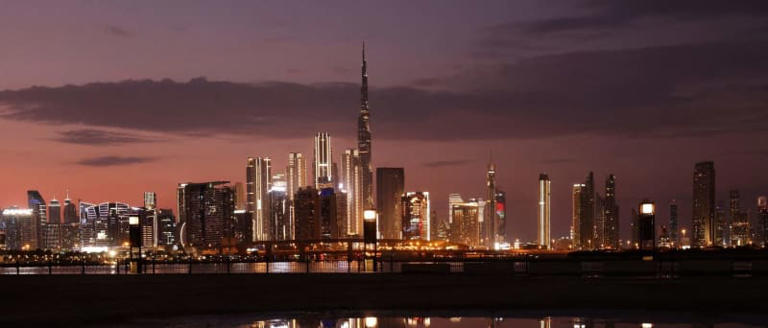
x: 364, y: 138
x: 491, y: 225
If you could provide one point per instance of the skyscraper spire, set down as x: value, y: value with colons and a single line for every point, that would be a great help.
x: 364, y: 137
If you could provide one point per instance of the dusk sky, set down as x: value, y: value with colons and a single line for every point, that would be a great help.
x: 110, y: 99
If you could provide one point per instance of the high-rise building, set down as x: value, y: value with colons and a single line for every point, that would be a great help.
x: 240, y: 200
x: 674, y: 225
x: 258, y: 182
x: 36, y: 202
x: 296, y: 173
x: 166, y: 230
x: 722, y: 228
x: 491, y: 221
x: 703, y: 214
x: 646, y: 221
x: 330, y: 225
x: 578, y: 188
x: 103, y: 225
x: 543, y: 227
x: 19, y: 225
x: 307, y: 210
x: 150, y: 200
x: 415, y: 218
x: 54, y: 211
x: 501, y: 215
x: 364, y: 137
x: 351, y: 184
x: 739, y: 234
x: 322, y: 164
x: 390, y: 186
x: 465, y: 220
x: 762, y: 212
x: 599, y: 231
x: 280, y: 221
x: 611, y: 214
x: 204, y: 211
x: 70, y: 211
x: 587, y: 220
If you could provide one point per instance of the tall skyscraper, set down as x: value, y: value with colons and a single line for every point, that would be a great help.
x: 390, y: 186
x: 296, y: 173
x: 54, y: 211
x: 501, y: 215
x: 578, y: 188
x: 703, y: 214
x: 323, y: 161
x: 587, y: 214
x: 647, y: 225
x: 739, y: 234
x: 150, y: 200
x: 611, y: 213
x: 204, y: 211
x: 307, y: 209
x: 280, y: 220
x: 465, y: 220
x: 20, y: 227
x: 762, y: 212
x: 491, y: 222
x: 416, y: 216
x: 240, y: 200
x: 543, y: 235
x: 364, y: 138
x: 351, y: 185
x: 674, y: 225
x: 258, y: 181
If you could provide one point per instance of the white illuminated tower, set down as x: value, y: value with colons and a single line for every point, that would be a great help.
x: 364, y: 138
x: 323, y: 161
x: 543, y: 235
x: 350, y: 183
x: 258, y: 175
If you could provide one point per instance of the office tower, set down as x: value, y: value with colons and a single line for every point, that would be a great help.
x: 490, y: 220
x: 322, y: 164
x: 611, y: 214
x: 703, y: 214
x: 296, y: 173
x: 543, y: 227
x: 20, y: 228
x: 240, y: 200
x: 465, y: 220
x: 54, y: 211
x: 578, y: 188
x: 330, y: 227
x: 166, y: 228
x: 36, y: 202
x: 721, y: 227
x: 70, y: 211
x: 351, y: 184
x: 415, y: 215
x: 258, y: 181
x: 282, y: 228
x: 204, y: 210
x: 674, y: 225
x: 87, y: 228
x: 390, y: 186
x: 635, y: 227
x: 307, y: 210
x: 364, y: 138
x: 739, y: 234
x: 587, y: 222
x: 762, y: 212
x: 599, y: 230
x: 501, y: 215
x: 646, y: 225
x: 150, y: 200
x: 101, y: 224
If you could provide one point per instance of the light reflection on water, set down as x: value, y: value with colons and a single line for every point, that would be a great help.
x: 321, y: 321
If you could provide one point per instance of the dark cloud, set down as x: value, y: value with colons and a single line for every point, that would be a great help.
x: 118, y: 31
x: 114, y: 161
x: 558, y: 161
x: 669, y: 91
x: 95, y: 137
x: 456, y: 162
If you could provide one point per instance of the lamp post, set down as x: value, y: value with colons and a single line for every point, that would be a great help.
x: 135, y: 242
x: 369, y: 233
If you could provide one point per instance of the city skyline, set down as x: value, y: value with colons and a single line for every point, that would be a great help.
x: 440, y: 157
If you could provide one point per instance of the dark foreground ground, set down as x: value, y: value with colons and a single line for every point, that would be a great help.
x: 94, y: 299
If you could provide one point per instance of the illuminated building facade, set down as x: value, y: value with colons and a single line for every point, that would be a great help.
x: 280, y: 221
x: 587, y: 220
x: 578, y: 188
x: 543, y: 222
x: 415, y: 216
x: 296, y: 173
x: 351, y: 185
x: 330, y: 227
x: 20, y: 227
x: 646, y: 221
x: 703, y: 214
x: 465, y: 220
x: 104, y: 225
x: 204, y: 210
x: 150, y: 200
x: 739, y: 235
x: 364, y: 137
x: 490, y: 221
x: 54, y: 211
x: 258, y: 182
x: 611, y: 214
x: 500, y: 209
x: 390, y: 187
x: 166, y: 228
x: 36, y: 202
x: 674, y: 225
x: 322, y: 164
x: 762, y: 212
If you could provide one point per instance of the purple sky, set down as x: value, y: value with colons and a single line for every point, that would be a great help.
x: 641, y: 89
